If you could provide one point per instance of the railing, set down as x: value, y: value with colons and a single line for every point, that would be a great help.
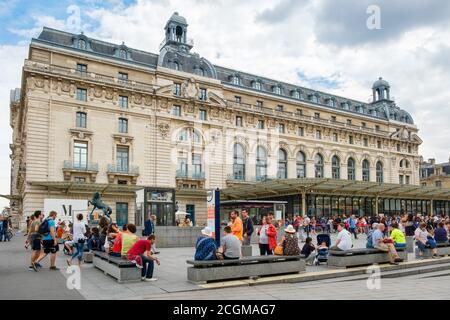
x: 70, y: 165
x: 189, y: 174
x: 132, y: 170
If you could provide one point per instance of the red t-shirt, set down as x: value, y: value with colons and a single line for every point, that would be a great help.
x: 117, y: 247
x: 139, y: 248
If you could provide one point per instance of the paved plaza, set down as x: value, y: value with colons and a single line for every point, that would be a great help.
x: 17, y: 282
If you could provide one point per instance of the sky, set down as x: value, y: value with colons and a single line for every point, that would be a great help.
x: 337, y: 46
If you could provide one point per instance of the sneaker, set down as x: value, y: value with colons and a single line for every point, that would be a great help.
x: 143, y: 278
x: 37, y: 264
x: 137, y: 265
x: 435, y: 256
x: 30, y: 268
x: 54, y: 268
x: 33, y: 265
x: 151, y: 279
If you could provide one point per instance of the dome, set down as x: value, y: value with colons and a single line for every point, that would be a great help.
x: 177, y: 19
x: 380, y: 83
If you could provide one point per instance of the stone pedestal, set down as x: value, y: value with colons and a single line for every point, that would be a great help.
x: 410, y: 244
x: 247, y: 251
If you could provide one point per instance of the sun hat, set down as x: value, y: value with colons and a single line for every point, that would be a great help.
x: 207, y: 231
x: 290, y: 229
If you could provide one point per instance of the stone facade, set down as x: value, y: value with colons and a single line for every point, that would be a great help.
x: 182, y: 127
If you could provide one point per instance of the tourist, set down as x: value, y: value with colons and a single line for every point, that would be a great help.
x: 397, y: 236
x: 382, y: 243
x: 186, y: 222
x: 60, y: 230
x: 205, y: 247
x: 28, y: 222
x: 343, y: 240
x: 49, y: 241
x: 79, y: 229
x: 141, y: 254
x: 308, y: 251
x: 424, y: 239
x: 247, y: 227
x: 369, y: 244
x: 149, y: 227
x: 306, y: 225
x: 330, y: 225
x: 94, y: 242
x: 117, y: 246
x: 440, y: 234
x: 103, y: 238
x: 128, y: 239
x: 230, y: 245
x: 34, y: 239
x: 289, y: 242
x: 236, y: 225
x: 28, y: 240
x: 352, y: 225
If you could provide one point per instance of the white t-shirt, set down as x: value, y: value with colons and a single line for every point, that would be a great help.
x: 422, y: 235
x: 79, y: 229
x: 345, y: 238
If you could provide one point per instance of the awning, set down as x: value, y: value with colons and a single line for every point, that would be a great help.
x: 83, y: 187
x: 284, y: 187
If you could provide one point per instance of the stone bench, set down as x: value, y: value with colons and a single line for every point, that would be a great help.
x: 119, y: 268
x: 361, y: 257
x: 443, y: 249
x: 246, y: 267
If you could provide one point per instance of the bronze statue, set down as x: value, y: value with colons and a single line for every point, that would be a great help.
x: 98, y: 204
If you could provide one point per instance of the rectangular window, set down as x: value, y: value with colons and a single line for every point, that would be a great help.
x: 123, y: 102
x: 377, y: 128
x: 177, y: 89
x: 80, y: 155
x: 122, y: 159
x: 317, y: 115
x: 261, y: 124
x: 407, y: 178
x: 238, y: 121
x: 202, y: 95
x: 81, y: 120
x: 398, y: 147
x: 350, y: 139
x: 349, y: 121
x: 366, y: 142
x: 123, y: 125
x: 202, y: 115
x: 409, y: 149
x: 196, y: 165
x: 279, y: 107
x: 438, y: 184
x: 82, y: 68
x: 318, y: 134
x: 182, y: 167
x: 237, y: 99
x: 363, y: 124
x: 122, y: 76
x: 259, y: 104
x: 176, y: 111
x: 281, y: 128
x: 299, y: 112
x: 79, y: 179
x: 333, y: 118
x: 335, y: 137
x: 379, y: 144
x: 301, y: 131
x: 81, y: 94
x: 400, y: 179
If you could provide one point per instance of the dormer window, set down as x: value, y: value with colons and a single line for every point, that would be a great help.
x: 314, y: 98
x: 276, y: 90
x: 236, y: 80
x: 345, y: 105
x: 175, y: 66
x: 123, y: 54
x: 82, y: 44
x: 331, y: 102
x: 199, y: 72
x: 295, y: 94
x: 257, y: 85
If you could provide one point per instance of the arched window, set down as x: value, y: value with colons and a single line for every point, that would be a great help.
x: 257, y: 85
x: 196, y: 137
x: 261, y: 164
x: 379, y: 172
x: 199, y: 72
x: 175, y: 65
x: 183, y: 136
x: 335, y: 167
x: 301, y: 165
x: 351, y: 169
x: 122, y: 54
x: 365, y: 170
x: 282, y: 164
x: 82, y: 44
x: 318, y: 165
x: 238, y: 162
x: 404, y: 163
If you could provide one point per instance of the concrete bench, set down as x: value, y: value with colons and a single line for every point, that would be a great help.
x: 361, y: 257
x: 119, y: 268
x: 443, y: 249
x: 246, y: 267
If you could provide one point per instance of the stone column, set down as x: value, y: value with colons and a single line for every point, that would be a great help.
x: 303, y: 195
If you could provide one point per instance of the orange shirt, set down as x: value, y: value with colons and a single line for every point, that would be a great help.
x: 237, y: 228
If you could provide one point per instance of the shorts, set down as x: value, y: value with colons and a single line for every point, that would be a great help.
x: 36, y: 245
x: 49, y: 247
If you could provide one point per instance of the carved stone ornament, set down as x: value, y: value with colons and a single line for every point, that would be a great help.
x: 164, y: 129
x: 189, y: 89
x: 109, y: 95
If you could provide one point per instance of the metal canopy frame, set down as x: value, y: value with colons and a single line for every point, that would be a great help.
x: 82, y: 187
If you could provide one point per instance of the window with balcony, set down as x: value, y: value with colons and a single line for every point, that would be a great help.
x: 365, y: 170
x: 261, y: 164
x: 238, y: 162
x: 122, y: 76
x: 379, y: 172
x: 122, y: 158
x: 81, y: 94
x: 197, y: 165
x: 176, y: 111
x: 177, y: 89
x: 261, y: 124
x: 202, y: 115
x: 239, y: 122
x: 80, y: 155
x: 301, y: 165
x: 123, y: 102
x: 351, y: 169
x: 400, y: 179
x: 202, y: 95
x: 282, y: 164
x: 123, y: 125
x: 335, y: 167
x: 318, y: 165
x: 182, y: 166
x: 81, y: 119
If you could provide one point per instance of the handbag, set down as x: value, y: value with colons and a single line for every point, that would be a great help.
x: 278, y: 251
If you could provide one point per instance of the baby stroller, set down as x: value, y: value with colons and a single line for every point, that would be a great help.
x: 322, y: 254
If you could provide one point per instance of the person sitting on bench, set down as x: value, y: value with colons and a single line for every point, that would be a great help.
x: 205, y: 248
x: 230, y: 245
x: 397, y: 236
x: 385, y: 244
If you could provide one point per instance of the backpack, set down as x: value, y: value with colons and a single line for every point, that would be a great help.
x: 44, y: 229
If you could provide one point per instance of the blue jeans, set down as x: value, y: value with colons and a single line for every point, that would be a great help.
x: 2, y: 231
x: 78, y: 252
x: 147, y: 267
x: 422, y: 246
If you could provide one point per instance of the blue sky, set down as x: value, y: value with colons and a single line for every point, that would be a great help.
x: 320, y: 44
